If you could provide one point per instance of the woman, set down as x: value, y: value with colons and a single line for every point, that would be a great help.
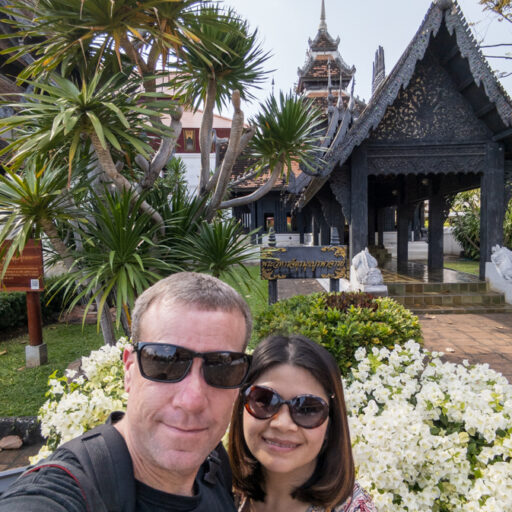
x: 289, y: 439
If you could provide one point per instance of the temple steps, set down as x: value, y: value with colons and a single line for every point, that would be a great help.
x: 449, y: 298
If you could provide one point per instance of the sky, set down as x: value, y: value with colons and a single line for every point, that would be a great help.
x: 284, y: 27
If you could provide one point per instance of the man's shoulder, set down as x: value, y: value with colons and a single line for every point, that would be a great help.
x: 93, y: 471
x: 49, y: 488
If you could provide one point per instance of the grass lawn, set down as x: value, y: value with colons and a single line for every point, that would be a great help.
x: 462, y: 265
x: 23, y: 389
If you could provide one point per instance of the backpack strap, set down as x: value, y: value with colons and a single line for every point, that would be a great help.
x: 217, y: 467
x: 105, y: 460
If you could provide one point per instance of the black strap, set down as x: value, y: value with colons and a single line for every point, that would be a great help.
x: 218, y: 467
x: 105, y: 459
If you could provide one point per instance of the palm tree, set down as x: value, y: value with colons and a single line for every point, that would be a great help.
x: 235, y: 63
x: 119, y: 258
x: 33, y: 202
x: 112, y: 114
x: 286, y: 131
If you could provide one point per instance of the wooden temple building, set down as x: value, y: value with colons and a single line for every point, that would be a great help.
x: 439, y: 123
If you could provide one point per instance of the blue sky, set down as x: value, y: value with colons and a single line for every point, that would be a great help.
x: 286, y: 25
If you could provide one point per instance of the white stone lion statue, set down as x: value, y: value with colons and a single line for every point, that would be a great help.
x: 502, y: 259
x: 365, y: 267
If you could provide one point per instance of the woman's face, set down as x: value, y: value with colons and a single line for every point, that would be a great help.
x: 280, y: 445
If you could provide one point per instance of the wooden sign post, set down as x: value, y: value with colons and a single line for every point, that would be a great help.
x: 25, y: 274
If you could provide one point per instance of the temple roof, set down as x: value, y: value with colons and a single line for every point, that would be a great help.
x: 322, y: 49
x: 465, y: 63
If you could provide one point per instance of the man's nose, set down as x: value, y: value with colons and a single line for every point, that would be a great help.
x: 191, y: 392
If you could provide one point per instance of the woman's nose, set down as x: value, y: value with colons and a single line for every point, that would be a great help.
x: 283, y: 420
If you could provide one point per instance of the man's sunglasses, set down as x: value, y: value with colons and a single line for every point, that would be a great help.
x: 307, y: 411
x: 163, y: 362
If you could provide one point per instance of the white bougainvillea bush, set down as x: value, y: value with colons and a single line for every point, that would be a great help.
x: 78, y: 403
x: 427, y: 435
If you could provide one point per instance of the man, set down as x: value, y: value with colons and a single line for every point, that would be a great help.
x: 189, y: 333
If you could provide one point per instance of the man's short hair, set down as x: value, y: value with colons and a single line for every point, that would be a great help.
x: 202, y: 291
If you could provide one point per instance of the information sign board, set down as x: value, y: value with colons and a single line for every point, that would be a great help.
x: 328, y: 261
x: 25, y: 271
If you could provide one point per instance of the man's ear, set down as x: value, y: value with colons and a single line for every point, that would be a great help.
x: 130, y: 367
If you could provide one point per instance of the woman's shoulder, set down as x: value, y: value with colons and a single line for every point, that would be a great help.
x: 360, y: 501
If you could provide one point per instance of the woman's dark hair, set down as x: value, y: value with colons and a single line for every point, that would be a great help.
x: 333, y: 478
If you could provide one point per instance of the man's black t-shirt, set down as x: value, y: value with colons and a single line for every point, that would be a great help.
x: 52, y: 490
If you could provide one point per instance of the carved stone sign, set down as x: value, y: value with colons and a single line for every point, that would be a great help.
x: 304, y: 262
x: 25, y: 271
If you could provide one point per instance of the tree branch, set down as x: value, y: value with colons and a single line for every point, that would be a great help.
x: 244, y: 141
x: 167, y: 145
x: 134, y: 56
x: 109, y: 168
x: 257, y: 194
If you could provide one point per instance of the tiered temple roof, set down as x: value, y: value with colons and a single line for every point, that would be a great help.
x: 322, y: 59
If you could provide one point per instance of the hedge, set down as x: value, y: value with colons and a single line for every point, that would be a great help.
x: 13, y: 308
x: 338, y: 323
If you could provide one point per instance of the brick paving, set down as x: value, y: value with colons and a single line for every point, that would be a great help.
x: 477, y: 338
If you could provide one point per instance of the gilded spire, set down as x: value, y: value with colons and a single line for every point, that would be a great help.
x: 323, y: 24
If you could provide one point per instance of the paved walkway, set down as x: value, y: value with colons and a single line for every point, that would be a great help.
x: 477, y: 338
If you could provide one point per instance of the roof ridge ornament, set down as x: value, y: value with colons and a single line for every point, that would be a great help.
x: 379, y: 69
x: 323, y: 25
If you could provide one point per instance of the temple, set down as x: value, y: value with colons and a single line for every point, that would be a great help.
x: 439, y: 123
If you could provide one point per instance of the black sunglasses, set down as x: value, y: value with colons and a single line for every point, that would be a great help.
x: 307, y: 411
x: 163, y: 362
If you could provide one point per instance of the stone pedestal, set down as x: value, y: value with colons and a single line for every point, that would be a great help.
x: 36, y: 355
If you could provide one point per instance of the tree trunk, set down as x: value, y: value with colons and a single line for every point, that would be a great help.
x: 106, y: 323
x: 205, y: 134
x: 237, y: 127
x: 108, y: 166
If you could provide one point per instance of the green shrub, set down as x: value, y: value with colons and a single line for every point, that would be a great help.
x: 341, y: 332
x: 466, y: 223
x: 13, y: 307
x: 13, y: 310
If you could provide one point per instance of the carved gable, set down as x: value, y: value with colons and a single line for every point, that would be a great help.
x: 430, y: 109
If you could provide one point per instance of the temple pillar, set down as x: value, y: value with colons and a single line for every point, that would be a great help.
x: 435, y: 229
x: 314, y: 228
x: 402, y: 234
x: 492, y: 203
x: 300, y: 226
x: 371, y: 226
x: 380, y: 227
x: 359, y: 201
x: 341, y: 227
x: 325, y: 231
x: 254, y: 237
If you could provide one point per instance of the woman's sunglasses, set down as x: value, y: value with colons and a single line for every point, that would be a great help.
x: 307, y: 411
x: 163, y: 362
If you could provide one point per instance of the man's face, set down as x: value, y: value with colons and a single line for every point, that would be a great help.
x: 172, y: 427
